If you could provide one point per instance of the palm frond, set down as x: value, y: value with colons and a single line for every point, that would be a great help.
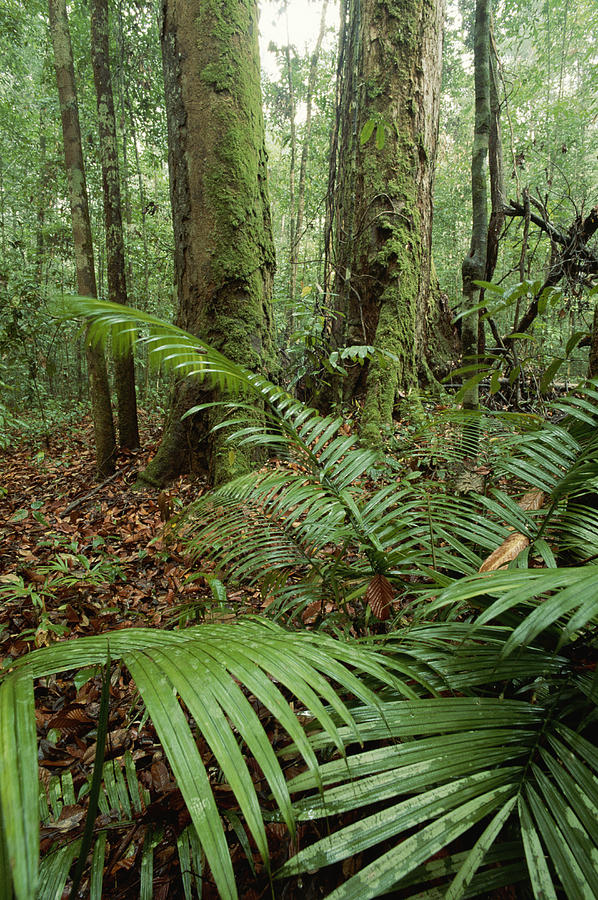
x: 459, y: 768
x: 558, y: 602
x: 168, y: 347
x: 203, y: 667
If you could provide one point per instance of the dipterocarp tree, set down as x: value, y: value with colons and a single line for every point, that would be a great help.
x: 224, y: 256
x: 124, y: 370
x: 390, y: 68
x: 82, y: 240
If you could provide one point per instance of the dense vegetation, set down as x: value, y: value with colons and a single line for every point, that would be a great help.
x: 387, y: 684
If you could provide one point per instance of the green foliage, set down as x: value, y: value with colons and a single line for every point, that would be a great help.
x: 547, y: 92
x: 45, y: 368
x: 529, y: 363
x: 467, y: 731
x: 254, y: 654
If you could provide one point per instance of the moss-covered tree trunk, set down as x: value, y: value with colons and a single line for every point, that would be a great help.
x: 383, y: 198
x: 86, y: 281
x: 224, y: 256
x: 124, y: 369
x: 474, y: 265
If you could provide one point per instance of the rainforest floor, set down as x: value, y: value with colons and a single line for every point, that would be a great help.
x: 79, y: 558
x: 82, y: 558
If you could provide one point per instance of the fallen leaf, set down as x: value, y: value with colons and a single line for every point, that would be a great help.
x: 379, y: 596
x: 508, y: 550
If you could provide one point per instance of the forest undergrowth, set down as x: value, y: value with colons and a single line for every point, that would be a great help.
x: 78, y: 558
x: 357, y: 672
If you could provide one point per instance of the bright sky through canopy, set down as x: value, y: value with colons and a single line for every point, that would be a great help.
x: 303, y: 25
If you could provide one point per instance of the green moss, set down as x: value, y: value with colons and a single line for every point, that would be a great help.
x: 231, y: 257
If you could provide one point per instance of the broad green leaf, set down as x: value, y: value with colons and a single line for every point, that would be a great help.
x: 391, y: 822
x: 490, y: 286
x: 578, y: 841
x: 367, y: 131
x: 97, y: 867
x: 564, y: 861
x: 383, y: 874
x: 187, y: 766
x: 18, y: 782
x: 54, y: 870
x: 539, y: 872
x: 549, y: 373
x: 574, y: 340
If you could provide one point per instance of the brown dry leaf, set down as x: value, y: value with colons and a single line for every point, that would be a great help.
x: 161, y: 778
x: 71, y: 719
x: 508, y: 550
x: 11, y: 578
x: 70, y: 817
x: 532, y: 500
x: 379, y: 596
x: 311, y: 612
x: 516, y: 542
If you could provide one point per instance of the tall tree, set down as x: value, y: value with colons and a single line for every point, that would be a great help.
x: 84, y: 264
x: 124, y: 369
x: 224, y: 257
x: 388, y: 124
x: 474, y: 265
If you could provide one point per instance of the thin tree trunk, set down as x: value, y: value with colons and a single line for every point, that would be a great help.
x: 127, y: 108
x: 86, y: 282
x: 497, y: 194
x: 42, y: 200
x: 124, y: 368
x: 2, y: 222
x: 311, y: 86
x: 293, y: 248
x: 474, y: 264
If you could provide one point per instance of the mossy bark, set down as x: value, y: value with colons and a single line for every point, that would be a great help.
x: 224, y: 254
x: 84, y: 265
x: 383, y: 207
x: 124, y: 368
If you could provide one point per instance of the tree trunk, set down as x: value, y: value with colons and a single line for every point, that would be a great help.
x: 383, y: 211
x: 41, y: 201
x: 311, y: 87
x: 124, y: 368
x: 86, y: 282
x: 127, y: 109
x: 224, y: 256
x: 474, y: 264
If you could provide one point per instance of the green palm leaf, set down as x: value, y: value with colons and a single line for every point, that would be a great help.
x: 557, y: 601
x: 204, y: 667
x: 18, y: 783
